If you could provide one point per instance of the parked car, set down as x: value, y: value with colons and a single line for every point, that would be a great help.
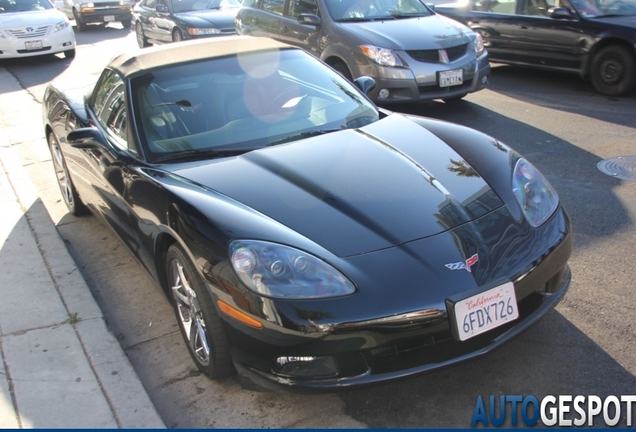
x: 161, y: 21
x: 86, y: 12
x: 34, y: 27
x: 593, y: 38
x: 412, y: 53
x: 305, y: 237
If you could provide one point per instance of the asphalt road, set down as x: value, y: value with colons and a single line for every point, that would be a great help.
x: 585, y: 347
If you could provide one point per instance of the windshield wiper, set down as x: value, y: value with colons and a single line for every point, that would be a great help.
x: 201, y: 154
x: 411, y: 15
x: 304, y: 135
x: 353, y: 19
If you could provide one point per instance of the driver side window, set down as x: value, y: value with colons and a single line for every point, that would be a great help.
x: 496, y: 6
x: 109, y: 105
x: 296, y: 7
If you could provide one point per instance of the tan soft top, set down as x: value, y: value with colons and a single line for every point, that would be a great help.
x: 131, y: 64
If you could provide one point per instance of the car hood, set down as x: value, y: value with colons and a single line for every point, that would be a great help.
x: 355, y: 191
x: 624, y: 21
x: 218, y: 18
x: 32, y: 18
x: 429, y: 32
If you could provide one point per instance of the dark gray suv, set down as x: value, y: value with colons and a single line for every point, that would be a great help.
x: 412, y: 53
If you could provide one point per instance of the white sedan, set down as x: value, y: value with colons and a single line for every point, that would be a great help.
x: 34, y: 27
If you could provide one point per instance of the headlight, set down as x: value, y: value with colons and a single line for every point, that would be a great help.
x: 279, y: 271
x: 381, y: 56
x: 61, y: 25
x: 535, y: 195
x: 87, y: 5
x: 203, y: 31
x: 479, y: 44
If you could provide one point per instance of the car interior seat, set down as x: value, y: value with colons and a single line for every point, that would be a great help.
x: 159, y: 121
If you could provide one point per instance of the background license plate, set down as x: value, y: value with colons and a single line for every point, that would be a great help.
x: 33, y: 45
x: 109, y: 18
x: 451, y: 78
x: 486, y: 310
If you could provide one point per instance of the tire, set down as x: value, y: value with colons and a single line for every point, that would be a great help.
x: 197, y: 317
x: 342, y: 68
x: 177, y: 36
x: 70, y: 196
x: 126, y: 24
x: 69, y: 54
x: 613, y: 71
x: 142, y: 41
x: 79, y: 24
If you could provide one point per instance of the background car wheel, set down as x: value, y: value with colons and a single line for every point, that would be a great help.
x: 613, y: 71
x: 69, y: 54
x: 343, y: 70
x: 78, y: 22
x: 177, y: 36
x: 142, y: 41
x: 126, y: 24
x: 198, y: 320
x: 71, y: 198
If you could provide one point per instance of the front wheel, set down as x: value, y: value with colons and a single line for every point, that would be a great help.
x: 177, y: 36
x: 198, y: 319
x: 342, y: 68
x: 126, y: 24
x: 613, y: 71
x: 142, y: 41
x: 71, y: 198
x: 79, y: 24
x: 69, y: 54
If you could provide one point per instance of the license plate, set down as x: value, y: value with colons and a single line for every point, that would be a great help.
x: 33, y: 45
x: 485, y: 311
x: 451, y: 78
x: 109, y: 18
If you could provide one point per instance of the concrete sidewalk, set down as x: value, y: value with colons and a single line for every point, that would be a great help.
x: 60, y: 366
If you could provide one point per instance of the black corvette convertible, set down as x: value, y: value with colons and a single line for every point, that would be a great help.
x: 305, y: 237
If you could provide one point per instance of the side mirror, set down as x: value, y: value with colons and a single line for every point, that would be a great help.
x: 309, y: 19
x: 431, y: 6
x: 162, y: 8
x: 365, y: 84
x: 86, y: 138
x: 560, y: 13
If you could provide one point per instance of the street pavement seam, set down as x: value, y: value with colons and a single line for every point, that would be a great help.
x: 7, y: 376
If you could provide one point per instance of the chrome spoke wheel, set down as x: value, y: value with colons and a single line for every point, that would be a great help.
x: 190, y: 313
x: 61, y: 173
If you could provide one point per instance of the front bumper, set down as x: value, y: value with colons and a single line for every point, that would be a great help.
x: 423, y: 83
x: 399, y: 345
x: 55, y: 42
x: 433, y: 352
x: 105, y: 14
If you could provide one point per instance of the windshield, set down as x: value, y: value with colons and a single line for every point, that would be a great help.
x: 599, y: 8
x: 242, y: 103
x: 366, y: 10
x: 195, y: 5
x: 7, y: 6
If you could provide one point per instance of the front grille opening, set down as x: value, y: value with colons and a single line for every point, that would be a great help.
x: 440, y: 347
x: 434, y: 56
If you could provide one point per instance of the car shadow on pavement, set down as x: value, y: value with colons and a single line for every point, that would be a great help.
x: 99, y: 32
x: 553, y: 357
x: 547, y: 88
